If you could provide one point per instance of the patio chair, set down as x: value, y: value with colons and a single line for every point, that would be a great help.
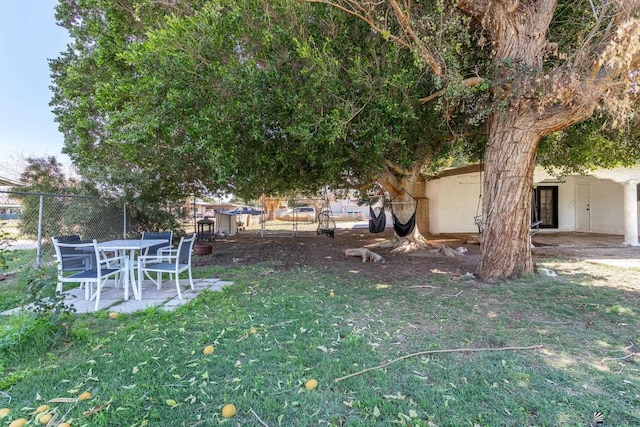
x: 158, y: 235
x: 102, y: 269
x: 170, y: 263
x: 75, y: 261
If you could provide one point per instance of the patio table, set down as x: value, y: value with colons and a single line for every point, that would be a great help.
x: 130, y: 246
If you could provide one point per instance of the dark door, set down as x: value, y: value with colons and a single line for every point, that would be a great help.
x: 545, y: 206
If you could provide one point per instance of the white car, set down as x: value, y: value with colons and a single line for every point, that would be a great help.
x: 302, y: 213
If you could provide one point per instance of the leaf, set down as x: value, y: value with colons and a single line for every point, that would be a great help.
x: 323, y: 349
x: 395, y: 396
x: 62, y: 400
x: 171, y: 402
x: 376, y: 411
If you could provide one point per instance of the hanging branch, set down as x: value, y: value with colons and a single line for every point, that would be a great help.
x: 420, y: 353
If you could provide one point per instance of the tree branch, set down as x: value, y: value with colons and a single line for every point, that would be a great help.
x: 474, y: 8
x: 421, y: 353
x: 470, y: 82
x: 369, y: 21
x: 423, y: 50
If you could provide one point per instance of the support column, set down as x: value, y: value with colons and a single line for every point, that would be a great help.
x: 631, y: 213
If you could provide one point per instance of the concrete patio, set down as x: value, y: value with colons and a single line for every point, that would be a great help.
x: 111, y: 299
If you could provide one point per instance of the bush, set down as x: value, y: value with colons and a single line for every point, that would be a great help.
x: 44, y: 320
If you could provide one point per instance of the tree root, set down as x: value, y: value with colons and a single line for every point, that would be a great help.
x: 410, y: 246
x: 365, y: 253
x: 421, y: 353
x: 446, y: 250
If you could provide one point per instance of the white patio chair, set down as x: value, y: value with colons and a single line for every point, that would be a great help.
x: 170, y: 263
x: 74, y: 260
x: 98, y: 273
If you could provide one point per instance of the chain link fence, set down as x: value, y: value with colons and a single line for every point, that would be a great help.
x: 38, y: 217
x: 293, y: 217
x: 28, y: 221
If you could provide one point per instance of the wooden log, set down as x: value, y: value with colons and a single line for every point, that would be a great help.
x: 365, y: 253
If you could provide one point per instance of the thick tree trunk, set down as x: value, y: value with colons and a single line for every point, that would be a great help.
x: 506, y: 208
x: 514, y: 130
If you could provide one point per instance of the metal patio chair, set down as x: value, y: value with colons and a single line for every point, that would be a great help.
x: 98, y: 273
x: 170, y: 263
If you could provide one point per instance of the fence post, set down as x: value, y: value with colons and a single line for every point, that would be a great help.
x: 124, y: 227
x: 39, y: 247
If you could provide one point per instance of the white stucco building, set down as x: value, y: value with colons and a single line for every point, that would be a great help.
x: 605, y: 201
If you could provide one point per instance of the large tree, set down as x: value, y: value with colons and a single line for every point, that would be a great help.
x: 263, y: 97
x: 552, y: 64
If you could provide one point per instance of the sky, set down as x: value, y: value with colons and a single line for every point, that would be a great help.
x: 29, y: 37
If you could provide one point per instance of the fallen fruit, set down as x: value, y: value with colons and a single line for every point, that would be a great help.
x: 331, y: 294
x: 64, y: 425
x: 18, y: 423
x: 42, y: 408
x: 228, y: 410
x: 4, y: 412
x: 44, y: 418
x: 208, y: 350
x: 254, y: 331
x: 84, y: 396
x: 311, y: 384
x: 114, y: 315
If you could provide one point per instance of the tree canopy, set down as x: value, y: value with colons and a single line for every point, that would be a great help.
x: 162, y: 99
x: 247, y: 97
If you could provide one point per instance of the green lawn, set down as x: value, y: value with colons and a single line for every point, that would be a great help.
x: 274, y: 330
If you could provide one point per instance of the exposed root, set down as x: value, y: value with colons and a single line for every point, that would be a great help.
x: 446, y: 250
x: 416, y: 243
x: 410, y: 246
x: 365, y: 253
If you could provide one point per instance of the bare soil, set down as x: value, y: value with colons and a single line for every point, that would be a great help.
x: 307, y: 249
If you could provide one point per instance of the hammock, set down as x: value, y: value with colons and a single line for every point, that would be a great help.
x: 377, y: 223
x: 401, y: 229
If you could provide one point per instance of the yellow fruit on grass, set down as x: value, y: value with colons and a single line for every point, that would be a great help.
x: 4, y: 412
x: 18, y: 423
x: 228, y: 410
x: 114, y: 315
x: 64, y: 425
x: 42, y: 408
x: 311, y: 384
x: 44, y: 418
x: 84, y: 396
x: 208, y: 349
x: 332, y: 294
x: 254, y: 331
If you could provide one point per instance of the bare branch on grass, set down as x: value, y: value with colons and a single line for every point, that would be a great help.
x: 620, y: 358
x: 259, y: 419
x: 452, y: 296
x: 422, y: 353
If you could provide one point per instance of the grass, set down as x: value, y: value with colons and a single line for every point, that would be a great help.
x: 274, y: 330
x: 12, y: 291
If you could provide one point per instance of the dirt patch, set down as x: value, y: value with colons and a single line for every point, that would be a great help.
x: 307, y: 249
x: 328, y: 254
